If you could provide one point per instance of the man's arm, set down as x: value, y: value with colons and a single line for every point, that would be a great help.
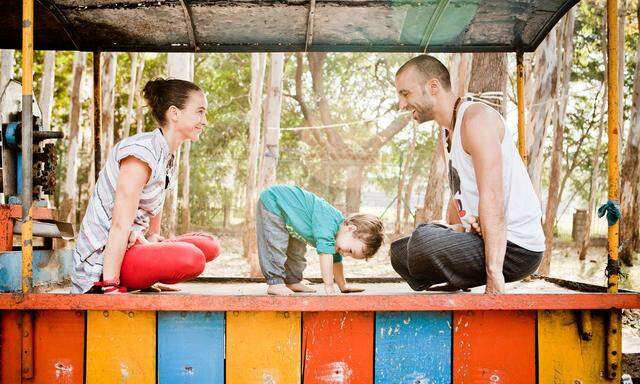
x: 482, y: 131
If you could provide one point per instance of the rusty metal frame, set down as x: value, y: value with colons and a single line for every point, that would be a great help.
x: 308, y: 41
x: 191, y: 27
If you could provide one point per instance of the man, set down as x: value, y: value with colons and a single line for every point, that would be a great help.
x: 493, y: 232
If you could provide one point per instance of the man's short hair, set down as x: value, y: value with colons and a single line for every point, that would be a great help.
x: 429, y: 67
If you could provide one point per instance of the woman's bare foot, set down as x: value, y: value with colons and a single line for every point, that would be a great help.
x: 160, y: 288
x: 279, y: 290
x: 299, y: 287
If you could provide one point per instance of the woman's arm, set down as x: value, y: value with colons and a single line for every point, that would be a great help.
x: 153, y: 234
x: 133, y: 176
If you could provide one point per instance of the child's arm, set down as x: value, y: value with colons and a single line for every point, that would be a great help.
x: 338, y: 273
x: 326, y: 269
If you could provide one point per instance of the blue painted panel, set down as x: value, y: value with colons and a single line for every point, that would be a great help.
x: 413, y: 347
x: 190, y: 347
x: 48, y: 267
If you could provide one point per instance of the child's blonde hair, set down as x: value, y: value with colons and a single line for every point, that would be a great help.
x: 369, y: 230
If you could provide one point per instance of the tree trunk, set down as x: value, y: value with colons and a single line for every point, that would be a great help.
x: 402, y: 182
x: 272, y: 114
x: 69, y: 198
x: 630, y: 175
x: 258, y: 62
x: 46, y: 89
x: 355, y: 179
x: 540, y: 88
x: 179, y: 66
x: 585, y: 242
x: 7, y: 61
x: 138, y: 94
x: 434, y: 194
x: 460, y: 65
x: 133, y: 82
x: 408, y: 195
x: 565, y: 53
x: 109, y: 67
x: 489, y: 78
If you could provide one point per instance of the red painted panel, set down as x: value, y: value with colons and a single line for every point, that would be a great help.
x: 494, y: 347
x: 59, y: 347
x: 337, y: 347
x: 10, y: 347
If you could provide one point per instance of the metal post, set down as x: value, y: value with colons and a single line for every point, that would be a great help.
x: 97, y: 112
x: 614, y: 335
x: 27, y: 141
x: 521, y: 127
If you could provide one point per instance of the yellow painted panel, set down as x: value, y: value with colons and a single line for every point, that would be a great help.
x: 263, y: 347
x: 121, y: 347
x: 563, y: 356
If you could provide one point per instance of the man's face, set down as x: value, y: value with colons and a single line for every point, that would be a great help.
x: 414, y: 96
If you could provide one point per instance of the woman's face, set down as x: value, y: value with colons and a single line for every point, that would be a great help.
x: 192, y: 119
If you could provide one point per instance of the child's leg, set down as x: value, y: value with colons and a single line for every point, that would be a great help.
x: 207, y: 243
x: 295, y: 265
x: 162, y: 262
x: 272, y: 241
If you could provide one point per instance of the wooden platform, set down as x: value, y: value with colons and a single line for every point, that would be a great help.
x: 386, y: 295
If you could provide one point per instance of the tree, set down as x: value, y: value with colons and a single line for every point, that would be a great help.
x: 138, y: 94
x: 489, y: 77
x: 109, y: 67
x: 46, y: 89
x: 69, y: 199
x: 403, y: 198
x: 179, y: 66
x: 630, y: 175
x: 134, y: 83
x: 330, y: 142
x: 565, y: 54
x: 273, y: 111
x: 258, y: 63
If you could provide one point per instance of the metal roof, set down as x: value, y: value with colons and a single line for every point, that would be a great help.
x: 285, y: 25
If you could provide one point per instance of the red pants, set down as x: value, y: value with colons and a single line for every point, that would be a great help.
x: 169, y: 261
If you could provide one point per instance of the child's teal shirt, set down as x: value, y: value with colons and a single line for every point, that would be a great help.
x: 306, y: 215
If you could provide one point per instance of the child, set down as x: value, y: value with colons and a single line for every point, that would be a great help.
x: 288, y: 218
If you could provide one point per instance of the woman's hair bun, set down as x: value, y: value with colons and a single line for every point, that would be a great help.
x: 161, y: 94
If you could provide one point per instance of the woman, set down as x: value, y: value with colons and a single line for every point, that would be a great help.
x: 119, y: 246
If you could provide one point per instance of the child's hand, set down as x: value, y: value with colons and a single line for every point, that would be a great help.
x: 329, y: 289
x: 350, y: 289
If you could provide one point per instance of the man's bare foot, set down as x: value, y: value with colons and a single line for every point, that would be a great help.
x: 279, y: 290
x: 299, y: 287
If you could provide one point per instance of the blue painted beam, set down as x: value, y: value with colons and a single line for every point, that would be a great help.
x: 48, y: 267
x: 191, y: 347
x: 413, y: 348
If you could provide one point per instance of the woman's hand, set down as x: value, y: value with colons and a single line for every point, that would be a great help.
x: 136, y: 237
x: 154, y: 238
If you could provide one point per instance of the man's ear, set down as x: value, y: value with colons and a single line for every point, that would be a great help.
x: 433, y: 86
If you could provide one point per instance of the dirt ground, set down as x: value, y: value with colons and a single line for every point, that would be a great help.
x: 564, y: 264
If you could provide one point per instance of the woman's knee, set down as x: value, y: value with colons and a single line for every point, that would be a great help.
x: 207, y: 243
x: 192, y: 263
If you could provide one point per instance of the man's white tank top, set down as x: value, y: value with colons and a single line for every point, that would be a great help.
x: 522, y: 207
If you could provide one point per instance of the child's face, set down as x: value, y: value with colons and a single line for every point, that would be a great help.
x: 347, y: 245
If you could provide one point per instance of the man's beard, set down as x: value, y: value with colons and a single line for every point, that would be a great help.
x: 424, y: 113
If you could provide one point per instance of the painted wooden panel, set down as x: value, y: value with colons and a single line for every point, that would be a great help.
x: 48, y: 267
x: 10, y: 347
x: 263, y: 347
x: 563, y: 356
x: 190, y: 347
x: 121, y: 347
x: 413, y: 348
x: 59, y: 347
x: 337, y: 347
x: 494, y: 347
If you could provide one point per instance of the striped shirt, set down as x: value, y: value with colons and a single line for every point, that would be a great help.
x: 149, y: 147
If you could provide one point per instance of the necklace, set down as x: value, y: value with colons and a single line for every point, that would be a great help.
x: 453, y: 122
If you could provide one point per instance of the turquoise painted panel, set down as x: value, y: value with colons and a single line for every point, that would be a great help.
x: 191, y: 347
x: 413, y: 348
x: 48, y: 267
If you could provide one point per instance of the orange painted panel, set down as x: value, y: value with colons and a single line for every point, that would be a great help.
x: 337, y: 347
x: 59, y: 347
x: 494, y: 347
x: 10, y: 347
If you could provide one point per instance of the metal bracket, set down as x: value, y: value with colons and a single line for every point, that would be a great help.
x: 309, y: 35
x: 191, y: 29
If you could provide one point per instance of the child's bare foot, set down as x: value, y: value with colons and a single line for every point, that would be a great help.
x: 279, y: 290
x: 299, y: 287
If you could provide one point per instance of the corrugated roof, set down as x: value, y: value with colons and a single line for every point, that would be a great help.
x: 289, y: 25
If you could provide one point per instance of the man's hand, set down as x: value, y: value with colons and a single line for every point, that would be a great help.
x: 495, y: 284
x: 350, y: 289
x: 154, y: 238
